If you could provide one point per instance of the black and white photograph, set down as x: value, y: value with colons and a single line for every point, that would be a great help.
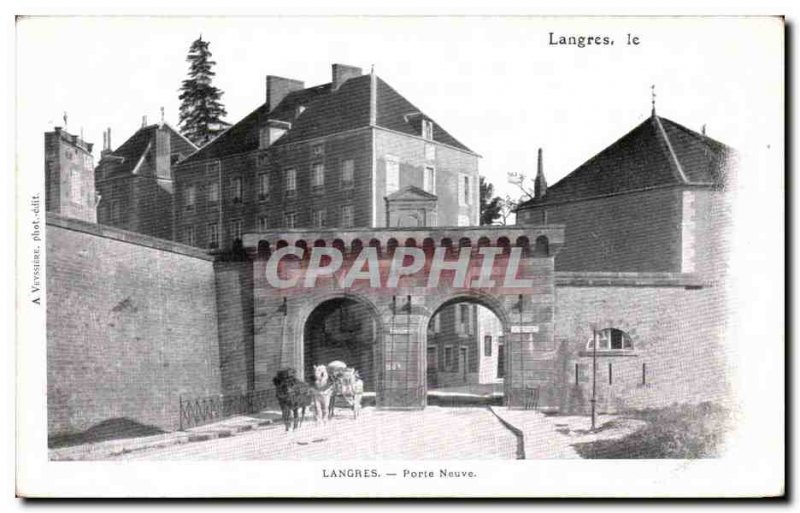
x: 400, y: 256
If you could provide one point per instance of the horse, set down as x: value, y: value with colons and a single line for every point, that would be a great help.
x: 322, y: 391
x: 348, y: 384
x: 294, y: 396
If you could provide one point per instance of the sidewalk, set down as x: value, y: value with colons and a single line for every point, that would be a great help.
x: 222, y: 429
x: 540, y: 436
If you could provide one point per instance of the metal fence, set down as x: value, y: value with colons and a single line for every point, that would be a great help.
x: 204, y: 410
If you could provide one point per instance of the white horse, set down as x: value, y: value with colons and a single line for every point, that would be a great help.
x: 322, y: 390
x: 347, y: 384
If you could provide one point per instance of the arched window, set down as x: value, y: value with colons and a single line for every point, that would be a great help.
x: 611, y: 339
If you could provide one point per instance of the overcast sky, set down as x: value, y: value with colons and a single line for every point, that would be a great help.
x: 493, y: 82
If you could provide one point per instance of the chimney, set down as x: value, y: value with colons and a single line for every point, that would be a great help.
x: 341, y: 73
x: 163, y: 152
x: 540, y: 183
x: 144, y: 121
x: 278, y: 88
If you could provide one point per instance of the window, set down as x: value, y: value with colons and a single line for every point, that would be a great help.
x: 263, y: 186
x: 213, y: 192
x: 487, y: 345
x: 317, y: 176
x: 463, y: 190
x: 449, y: 358
x: 347, y: 216
x: 501, y: 357
x: 263, y: 224
x: 347, y: 174
x: 289, y: 220
x: 236, y: 190
x: 611, y: 339
x: 318, y: 218
x: 464, y: 319
x: 188, y: 235
x: 427, y: 129
x: 429, y: 179
x: 291, y: 181
x: 189, y: 197
x: 236, y: 229
x: 213, y: 235
x: 392, y: 174
x: 432, y: 360
x: 437, y: 323
x: 264, y: 137
x: 75, y: 186
x: 317, y: 150
x: 115, y: 218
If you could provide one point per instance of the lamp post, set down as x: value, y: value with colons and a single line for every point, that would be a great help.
x: 594, y: 377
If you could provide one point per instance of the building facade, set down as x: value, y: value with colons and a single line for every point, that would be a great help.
x: 69, y: 176
x: 135, y: 181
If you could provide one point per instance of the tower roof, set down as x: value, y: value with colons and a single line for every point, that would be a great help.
x: 658, y: 152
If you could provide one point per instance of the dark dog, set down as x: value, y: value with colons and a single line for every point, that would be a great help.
x: 294, y: 396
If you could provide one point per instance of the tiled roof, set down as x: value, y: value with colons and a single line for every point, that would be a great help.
x: 658, y: 152
x: 326, y: 112
x: 130, y: 153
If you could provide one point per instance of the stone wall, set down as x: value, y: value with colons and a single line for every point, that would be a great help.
x: 131, y: 326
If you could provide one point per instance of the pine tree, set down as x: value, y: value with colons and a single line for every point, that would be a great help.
x: 201, y: 110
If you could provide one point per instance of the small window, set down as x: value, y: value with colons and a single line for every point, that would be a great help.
x: 427, y: 129
x: 318, y: 176
x: 347, y: 216
x: 317, y: 150
x: 236, y: 190
x: 449, y: 358
x: 429, y: 179
x: 291, y: 181
x: 437, y: 323
x: 213, y: 192
x: 392, y: 174
x: 264, y: 137
x: 611, y: 339
x: 487, y: 345
x: 289, y: 220
x: 213, y: 235
x: 263, y: 186
x: 319, y: 218
x: 212, y: 169
x: 464, y: 190
x: 263, y: 223
x: 188, y: 235
x: 236, y: 229
x: 189, y: 197
x: 347, y: 174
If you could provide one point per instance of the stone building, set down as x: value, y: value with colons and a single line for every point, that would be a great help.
x: 69, y: 176
x: 135, y: 181
x: 653, y: 201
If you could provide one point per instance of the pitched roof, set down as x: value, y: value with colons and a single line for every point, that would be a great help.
x: 658, y: 152
x: 326, y: 112
x: 126, y: 158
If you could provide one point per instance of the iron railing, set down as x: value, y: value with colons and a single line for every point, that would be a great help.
x: 204, y: 410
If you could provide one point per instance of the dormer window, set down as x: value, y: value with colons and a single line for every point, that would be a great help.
x: 427, y: 129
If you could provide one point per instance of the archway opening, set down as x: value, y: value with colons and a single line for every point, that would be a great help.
x: 342, y: 329
x: 465, y: 349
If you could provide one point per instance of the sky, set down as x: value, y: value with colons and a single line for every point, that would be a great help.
x: 495, y: 83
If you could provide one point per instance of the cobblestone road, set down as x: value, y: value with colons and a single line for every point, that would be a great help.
x: 432, y: 433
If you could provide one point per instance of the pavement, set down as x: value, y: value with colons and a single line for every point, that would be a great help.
x: 433, y: 433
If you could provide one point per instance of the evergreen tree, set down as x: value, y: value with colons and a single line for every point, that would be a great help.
x: 490, y: 205
x: 201, y: 110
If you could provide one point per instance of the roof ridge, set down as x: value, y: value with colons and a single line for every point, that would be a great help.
x: 671, y: 150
